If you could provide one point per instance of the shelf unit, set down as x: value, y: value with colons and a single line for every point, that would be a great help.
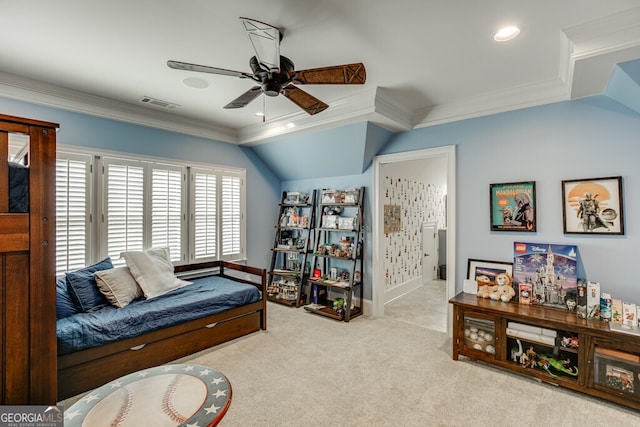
x: 291, y: 247
x: 596, y: 360
x: 335, y: 285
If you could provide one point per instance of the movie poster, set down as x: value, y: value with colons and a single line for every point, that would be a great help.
x: 513, y: 206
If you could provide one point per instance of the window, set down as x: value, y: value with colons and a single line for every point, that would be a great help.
x: 205, y: 219
x: 231, y: 215
x: 217, y: 210
x: 195, y: 210
x: 167, y: 215
x: 73, y: 211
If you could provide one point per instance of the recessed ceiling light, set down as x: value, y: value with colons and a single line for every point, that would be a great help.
x: 290, y: 125
x: 506, y: 34
x: 196, y: 83
x: 258, y: 114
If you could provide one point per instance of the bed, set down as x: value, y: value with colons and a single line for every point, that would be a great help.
x: 27, y: 257
x: 86, y: 364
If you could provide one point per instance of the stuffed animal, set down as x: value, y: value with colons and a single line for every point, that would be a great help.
x: 504, y: 290
x: 485, y: 286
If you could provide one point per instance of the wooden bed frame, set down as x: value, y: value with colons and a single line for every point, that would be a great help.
x: 87, y: 369
x: 27, y: 270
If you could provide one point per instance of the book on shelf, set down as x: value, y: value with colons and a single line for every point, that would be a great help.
x: 532, y: 329
x: 530, y: 336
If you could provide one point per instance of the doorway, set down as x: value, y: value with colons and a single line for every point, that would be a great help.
x: 429, y: 252
x: 380, y: 295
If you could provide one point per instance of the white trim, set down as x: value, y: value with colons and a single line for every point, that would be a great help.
x: 449, y: 152
x: 403, y: 289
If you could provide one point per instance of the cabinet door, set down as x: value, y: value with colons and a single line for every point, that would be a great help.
x: 475, y: 334
x: 616, y: 369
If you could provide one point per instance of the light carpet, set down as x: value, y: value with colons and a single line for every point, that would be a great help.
x: 311, y: 371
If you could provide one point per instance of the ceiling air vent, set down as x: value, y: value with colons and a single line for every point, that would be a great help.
x: 158, y: 102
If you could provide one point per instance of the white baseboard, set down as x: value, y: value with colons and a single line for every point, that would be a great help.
x: 402, y: 289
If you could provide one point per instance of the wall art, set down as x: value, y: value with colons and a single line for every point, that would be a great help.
x: 513, y: 206
x: 592, y: 206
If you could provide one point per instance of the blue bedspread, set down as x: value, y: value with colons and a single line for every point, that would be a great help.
x: 206, y: 296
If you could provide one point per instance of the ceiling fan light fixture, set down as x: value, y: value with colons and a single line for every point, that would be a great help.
x: 506, y: 34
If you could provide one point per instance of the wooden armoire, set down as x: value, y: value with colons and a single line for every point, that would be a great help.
x: 27, y: 270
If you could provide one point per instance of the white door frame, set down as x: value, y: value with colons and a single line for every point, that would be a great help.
x: 449, y: 152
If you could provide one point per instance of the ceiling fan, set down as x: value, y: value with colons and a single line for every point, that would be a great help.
x: 276, y: 74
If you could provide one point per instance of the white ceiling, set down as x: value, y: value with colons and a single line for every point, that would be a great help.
x: 428, y: 61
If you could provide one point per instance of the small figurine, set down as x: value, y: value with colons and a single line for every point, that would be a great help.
x: 571, y: 304
x: 529, y: 358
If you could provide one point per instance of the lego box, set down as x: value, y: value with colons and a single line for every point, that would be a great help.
x: 550, y: 269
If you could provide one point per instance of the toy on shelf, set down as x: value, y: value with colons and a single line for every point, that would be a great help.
x: 561, y: 366
x: 504, y: 288
x: 485, y: 286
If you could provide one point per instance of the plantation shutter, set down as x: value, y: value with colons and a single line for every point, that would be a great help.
x: 73, y: 178
x: 124, y: 207
x: 205, y: 228
x: 231, y: 223
x: 166, y: 209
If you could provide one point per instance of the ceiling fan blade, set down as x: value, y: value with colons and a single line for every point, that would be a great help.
x: 265, y: 39
x: 205, y: 69
x: 244, y: 99
x: 349, y: 74
x: 304, y: 100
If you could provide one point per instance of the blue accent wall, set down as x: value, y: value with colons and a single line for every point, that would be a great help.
x: 586, y: 138
x: 263, y: 187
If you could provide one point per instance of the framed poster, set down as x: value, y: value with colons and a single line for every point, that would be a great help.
x: 513, y: 206
x: 478, y: 267
x: 592, y: 206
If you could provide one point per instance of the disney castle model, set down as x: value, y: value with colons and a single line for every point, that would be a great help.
x: 549, y: 269
x: 547, y: 285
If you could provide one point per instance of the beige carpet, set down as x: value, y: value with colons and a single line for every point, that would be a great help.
x: 310, y: 371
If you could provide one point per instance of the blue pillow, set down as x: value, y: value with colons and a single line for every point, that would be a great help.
x: 83, y: 288
x: 64, y: 304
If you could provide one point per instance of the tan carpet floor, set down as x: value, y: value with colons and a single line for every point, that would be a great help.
x: 395, y: 371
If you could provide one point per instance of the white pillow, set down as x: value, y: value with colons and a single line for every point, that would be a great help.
x: 118, y: 285
x: 153, y: 271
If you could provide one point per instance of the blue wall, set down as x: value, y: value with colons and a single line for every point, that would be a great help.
x: 588, y: 138
x: 263, y: 187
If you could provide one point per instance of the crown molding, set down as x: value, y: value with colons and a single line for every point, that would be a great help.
x: 23, y: 89
x: 598, y: 46
x: 588, y: 53
x: 372, y: 104
x: 530, y: 95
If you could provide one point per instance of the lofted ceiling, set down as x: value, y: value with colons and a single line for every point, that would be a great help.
x: 427, y: 61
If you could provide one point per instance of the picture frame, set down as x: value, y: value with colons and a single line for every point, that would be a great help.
x: 513, y: 206
x: 478, y: 267
x: 593, y: 206
x: 392, y: 219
